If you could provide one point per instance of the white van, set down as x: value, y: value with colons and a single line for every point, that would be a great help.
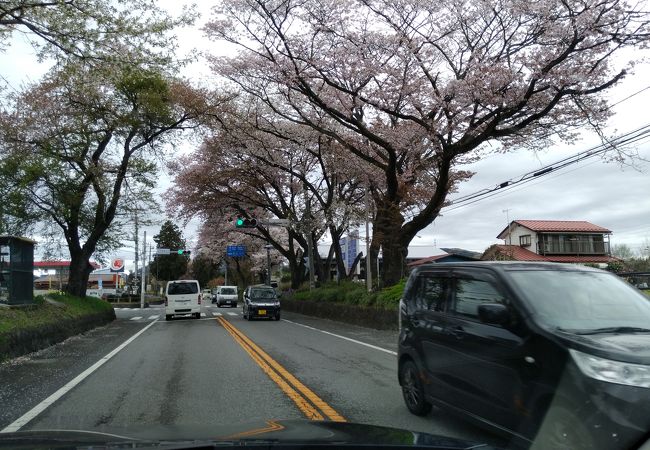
x: 227, y: 295
x: 182, y: 297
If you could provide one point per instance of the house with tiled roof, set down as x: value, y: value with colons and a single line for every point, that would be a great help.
x: 568, y: 241
x: 448, y: 255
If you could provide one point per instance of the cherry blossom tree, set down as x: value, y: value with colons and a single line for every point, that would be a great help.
x: 416, y: 89
x: 277, y: 167
x: 217, y: 233
x: 91, y: 30
x: 71, y: 144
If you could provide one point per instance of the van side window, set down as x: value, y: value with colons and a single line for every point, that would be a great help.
x: 471, y: 293
x: 431, y: 293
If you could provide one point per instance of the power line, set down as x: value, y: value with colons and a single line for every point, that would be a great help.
x: 633, y: 136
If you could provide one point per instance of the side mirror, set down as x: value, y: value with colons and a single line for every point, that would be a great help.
x: 493, y: 313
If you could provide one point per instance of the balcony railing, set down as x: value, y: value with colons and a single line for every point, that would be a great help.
x: 574, y: 248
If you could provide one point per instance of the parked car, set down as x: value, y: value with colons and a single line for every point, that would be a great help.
x: 182, y: 297
x: 261, y: 302
x: 226, y: 295
x: 551, y: 353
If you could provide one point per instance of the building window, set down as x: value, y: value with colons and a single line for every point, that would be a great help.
x: 524, y: 241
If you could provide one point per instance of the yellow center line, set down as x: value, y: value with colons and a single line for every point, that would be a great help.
x: 272, y: 425
x: 304, y: 390
x: 302, y: 404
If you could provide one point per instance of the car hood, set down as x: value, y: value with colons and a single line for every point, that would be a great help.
x: 268, y: 433
x: 627, y: 347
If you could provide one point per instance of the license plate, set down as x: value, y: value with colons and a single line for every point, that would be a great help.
x: 262, y: 312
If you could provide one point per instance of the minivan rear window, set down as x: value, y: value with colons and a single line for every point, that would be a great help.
x: 228, y: 291
x: 182, y: 288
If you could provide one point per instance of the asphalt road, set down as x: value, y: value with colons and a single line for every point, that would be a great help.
x: 218, y: 370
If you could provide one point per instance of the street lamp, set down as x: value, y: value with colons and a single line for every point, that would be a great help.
x: 268, y: 248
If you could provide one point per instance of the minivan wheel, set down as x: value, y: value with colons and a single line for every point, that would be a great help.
x: 562, y: 430
x: 277, y: 316
x: 168, y: 317
x: 412, y: 390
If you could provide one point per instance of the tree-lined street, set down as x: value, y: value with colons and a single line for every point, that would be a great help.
x: 193, y: 372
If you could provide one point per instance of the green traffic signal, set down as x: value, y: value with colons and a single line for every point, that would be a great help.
x: 180, y: 252
x: 245, y: 223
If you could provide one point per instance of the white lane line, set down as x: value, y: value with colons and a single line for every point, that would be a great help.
x: 365, y: 344
x: 232, y: 314
x: 136, y: 318
x: 153, y: 317
x: 36, y: 410
x: 203, y: 315
x: 217, y: 314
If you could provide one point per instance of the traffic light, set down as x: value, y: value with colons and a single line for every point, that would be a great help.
x: 245, y: 223
x: 183, y: 252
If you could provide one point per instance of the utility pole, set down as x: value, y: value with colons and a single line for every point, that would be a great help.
x: 144, y: 256
x: 149, y: 265
x: 135, y: 239
x: 226, y: 263
x: 368, y: 272
x: 507, y: 211
x: 310, y: 244
x: 268, y: 263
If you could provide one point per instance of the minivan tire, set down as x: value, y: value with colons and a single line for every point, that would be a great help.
x: 168, y: 317
x: 277, y: 316
x: 412, y: 390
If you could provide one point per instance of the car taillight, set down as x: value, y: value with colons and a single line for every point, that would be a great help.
x: 200, y: 295
x: 166, y: 302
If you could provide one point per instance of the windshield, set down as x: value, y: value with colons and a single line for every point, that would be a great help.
x: 306, y: 158
x: 262, y: 294
x: 582, y: 300
x: 182, y: 288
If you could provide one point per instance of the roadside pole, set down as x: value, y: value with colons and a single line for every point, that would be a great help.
x: 310, y: 244
x: 368, y: 272
x: 268, y: 264
x: 226, y: 262
x: 144, y: 261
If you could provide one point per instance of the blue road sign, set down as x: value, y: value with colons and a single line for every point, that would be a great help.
x: 236, y: 251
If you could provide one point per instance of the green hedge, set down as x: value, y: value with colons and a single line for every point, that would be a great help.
x: 44, y: 323
x: 352, y: 294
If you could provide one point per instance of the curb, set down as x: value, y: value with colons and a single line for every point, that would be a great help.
x: 29, y: 340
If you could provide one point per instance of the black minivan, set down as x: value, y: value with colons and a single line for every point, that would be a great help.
x: 555, y: 355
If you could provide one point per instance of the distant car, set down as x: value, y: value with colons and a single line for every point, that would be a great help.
x: 261, y: 302
x: 182, y: 297
x: 226, y: 295
x: 556, y: 354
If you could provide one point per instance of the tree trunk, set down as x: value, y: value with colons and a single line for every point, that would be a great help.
x: 389, y: 222
x: 336, y: 244
x: 350, y: 274
x: 80, y: 269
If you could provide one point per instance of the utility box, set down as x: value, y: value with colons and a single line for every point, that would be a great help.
x: 16, y: 270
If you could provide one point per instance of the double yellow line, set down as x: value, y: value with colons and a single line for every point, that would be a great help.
x: 305, y: 399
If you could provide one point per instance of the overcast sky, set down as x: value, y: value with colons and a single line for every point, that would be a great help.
x: 608, y: 194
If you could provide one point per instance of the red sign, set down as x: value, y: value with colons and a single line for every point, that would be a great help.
x: 117, y: 265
